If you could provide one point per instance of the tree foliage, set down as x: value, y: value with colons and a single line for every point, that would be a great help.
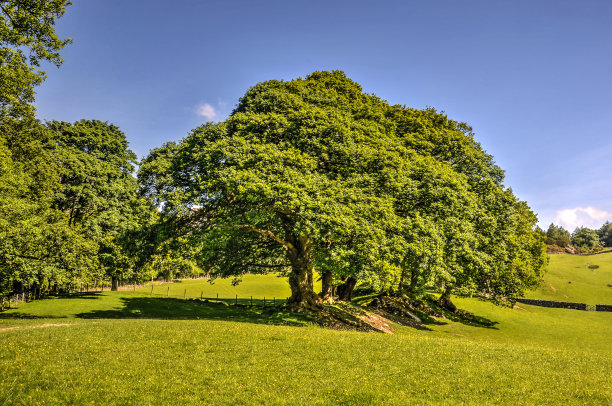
x: 26, y: 26
x: 557, y: 235
x: 98, y: 192
x: 605, y: 234
x: 585, y: 238
x: 38, y: 247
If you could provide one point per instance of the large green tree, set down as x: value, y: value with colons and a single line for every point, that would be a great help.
x: 314, y: 174
x: 99, y: 193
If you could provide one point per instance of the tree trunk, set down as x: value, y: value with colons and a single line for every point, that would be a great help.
x: 414, y: 278
x: 445, y: 301
x: 400, y: 285
x: 326, y: 284
x: 300, y: 278
x: 114, y: 283
x: 345, y: 291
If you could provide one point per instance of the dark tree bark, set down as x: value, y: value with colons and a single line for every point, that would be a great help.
x: 400, y: 285
x: 414, y: 278
x: 114, y: 283
x: 327, y: 287
x: 345, y: 291
x: 445, y: 301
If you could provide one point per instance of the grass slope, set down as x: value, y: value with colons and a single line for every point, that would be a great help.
x: 574, y: 278
x: 136, y: 348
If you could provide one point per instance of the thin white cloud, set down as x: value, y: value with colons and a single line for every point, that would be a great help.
x: 207, y: 111
x: 591, y: 217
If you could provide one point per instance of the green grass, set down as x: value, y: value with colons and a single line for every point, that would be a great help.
x: 136, y: 348
x: 573, y: 278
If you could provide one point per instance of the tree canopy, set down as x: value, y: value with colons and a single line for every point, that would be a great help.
x: 605, y: 234
x: 313, y: 174
x: 98, y: 193
x: 557, y: 235
x: 585, y: 238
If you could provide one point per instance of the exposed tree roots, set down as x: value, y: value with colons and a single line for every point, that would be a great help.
x: 383, y: 311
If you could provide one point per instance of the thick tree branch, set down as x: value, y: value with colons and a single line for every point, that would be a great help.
x: 267, y: 233
x: 266, y: 266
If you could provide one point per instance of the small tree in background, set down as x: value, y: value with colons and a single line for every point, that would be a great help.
x: 558, y: 236
x: 605, y: 234
x: 585, y: 238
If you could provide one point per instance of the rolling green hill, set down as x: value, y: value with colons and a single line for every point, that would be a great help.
x: 574, y: 278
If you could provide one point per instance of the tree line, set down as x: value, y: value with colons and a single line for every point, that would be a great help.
x: 306, y: 178
x: 583, y: 239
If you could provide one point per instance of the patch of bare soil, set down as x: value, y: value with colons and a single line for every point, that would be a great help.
x: 38, y: 326
x: 344, y: 316
x: 552, y: 288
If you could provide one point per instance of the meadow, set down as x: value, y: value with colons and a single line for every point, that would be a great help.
x: 143, y: 347
x: 577, y: 278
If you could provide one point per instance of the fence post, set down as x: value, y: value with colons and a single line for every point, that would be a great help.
x: 201, y: 295
x: 152, y: 286
x: 168, y: 292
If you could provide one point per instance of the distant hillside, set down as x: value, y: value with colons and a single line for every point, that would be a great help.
x: 577, y: 278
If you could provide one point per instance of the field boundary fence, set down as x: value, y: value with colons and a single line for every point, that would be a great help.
x: 15, y: 299
x: 566, y: 305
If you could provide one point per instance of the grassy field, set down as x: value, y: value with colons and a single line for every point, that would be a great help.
x: 134, y: 347
x: 573, y: 278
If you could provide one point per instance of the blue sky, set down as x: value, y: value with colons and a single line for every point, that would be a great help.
x: 533, y: 78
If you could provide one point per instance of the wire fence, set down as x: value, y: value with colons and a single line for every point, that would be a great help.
x: 157, y: 289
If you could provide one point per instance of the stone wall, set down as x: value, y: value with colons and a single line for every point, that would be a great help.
x: 603, y: 308
x: 552, y: 303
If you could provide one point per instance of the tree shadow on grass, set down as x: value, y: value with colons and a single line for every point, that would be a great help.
x: 195, y: 309
x: 458, y: 316
x: 470, y: 319
x: 24, y: 316
x: 76, y: 295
